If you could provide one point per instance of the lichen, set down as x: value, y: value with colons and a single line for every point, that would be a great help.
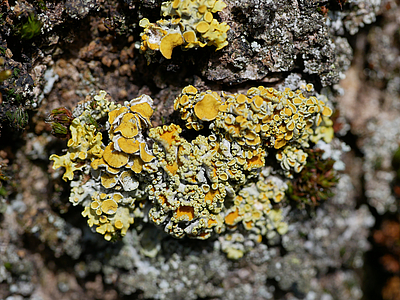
x: 189, y: 24
x: 224, y: 183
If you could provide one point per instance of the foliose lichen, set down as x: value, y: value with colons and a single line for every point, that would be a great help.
x: 189, y: 24
x: 224, y: 183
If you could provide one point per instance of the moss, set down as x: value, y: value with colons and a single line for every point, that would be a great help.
x: 396, y: 163
x: 8, y: 266
x: 30, y: 28
x: 16, y: 71
x: 18, y: 118
x: 315, y: 182
x: 60, y: 119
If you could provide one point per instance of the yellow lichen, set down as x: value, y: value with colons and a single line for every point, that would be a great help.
x: 115, y: 159
x: 189, y: 23
x: 194, y: 186
x: 207, y: 108
x: 85, y: 143
x: 169, y: 42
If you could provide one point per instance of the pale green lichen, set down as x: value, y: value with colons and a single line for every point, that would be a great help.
x: 85, y: 143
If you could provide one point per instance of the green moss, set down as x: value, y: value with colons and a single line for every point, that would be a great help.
x: 13, y: 95
x: 18, y: 118
x: 3, y: 191
x: 315, y: 182
x: 60, y: 119
x: 30, y: 28
x: 41, y: 5
x: 16, y: 71
x: 92, y: 121
x: 8, y: 266
x: 396, y: 163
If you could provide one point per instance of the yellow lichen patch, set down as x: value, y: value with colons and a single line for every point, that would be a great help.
x: 203, y: 236
x: 109, y: 206
x: 144, y: 154
x: 107, y: 215
x: 128, y: 181
x: 185, y: 213
x: 256, y: 161
x: 279, y: 143
x: 100, y: 162
x: 168, y: 136
x: 233, y: 217
x: 218, y: 6
x: 162, y: 199
x: 169, y: 42
x: 202, y: 27
x: 327, y: 112
x: 291, y: 159
x: 216, y: 34
x: 115, y: 113
x: 129, y: 146
x: 278, y: 197
x: 189, y: 36
x: 248, y: 225
x: 172, y: 168
x: 253, y: 142
x: 118, y: 224
x: 212, y: 223
x: 199, y: 185
x: 208, y: 17
x: 325, y: 131
x: 96, y: 163
x: 128, y: 127
x: 190, y: 89
x: 113, y: 158
x: 233, y: 129
x: 175, y: 4
x: 143, y: 109
x: 108, y: 181
x: 211, y: 196
x: 189, y: 23
x: 64, y: 161
x: 207, y: 108
x: 84, y: 144
x: 137, y: 165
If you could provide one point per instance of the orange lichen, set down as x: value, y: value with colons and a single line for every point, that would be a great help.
x: 128, y: 146
x: 207, y: 108
x: 190, y: 24
x: 232, y: 218
x: 185, y: 213
x: 169, y: 42
x: 115, y: 159
x: 128, y: 127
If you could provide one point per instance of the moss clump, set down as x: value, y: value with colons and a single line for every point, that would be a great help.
x: 18, y: 118
x: 315, y: 182
x: 30, y: 28
x: 60, y: 119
